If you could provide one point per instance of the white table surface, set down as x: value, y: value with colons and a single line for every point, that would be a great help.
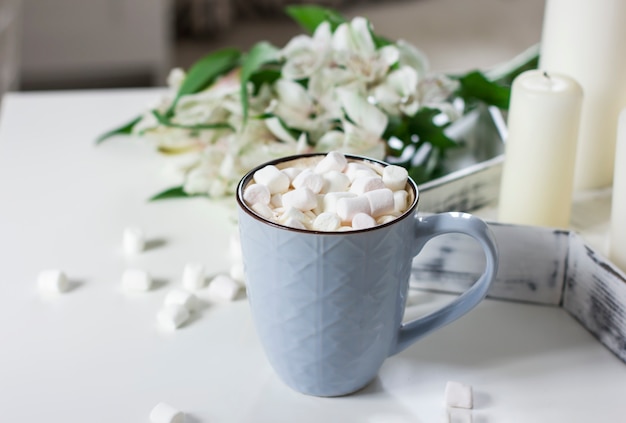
x: 96, y: 354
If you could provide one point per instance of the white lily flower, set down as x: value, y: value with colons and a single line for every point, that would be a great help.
x: 294, y: 104
x: 355, y: 49
x: 323, y: 89
x: 436, y: 89
x: 362, y: 113
x: 305, y: 55
x: 398, y: 93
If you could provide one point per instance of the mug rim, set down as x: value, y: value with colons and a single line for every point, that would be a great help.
x: 410, y: 211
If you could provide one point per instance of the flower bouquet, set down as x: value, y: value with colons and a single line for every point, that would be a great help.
x: 342, y: 87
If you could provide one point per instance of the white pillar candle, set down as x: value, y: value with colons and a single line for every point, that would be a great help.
x: 537, y: 179
x: 617, y: 235
x: 586, y: 39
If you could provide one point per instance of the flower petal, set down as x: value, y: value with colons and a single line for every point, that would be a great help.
x: 277, y: 128
x: 413, y: 57
x: 389, y: 55
x: 292, y: 94
x: 362, y: 36
x: 362, y: 113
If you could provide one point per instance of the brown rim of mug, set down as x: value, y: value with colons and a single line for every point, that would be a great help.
x: 410, y: 211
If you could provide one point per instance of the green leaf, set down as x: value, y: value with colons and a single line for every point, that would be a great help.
x: 423, y: 125
x: 125, y: 129
x: 197, y: 127
x: 171, y: 193
x: 379, y: 40
x: 264, y: 76
x: 258, y: 56
x: 474, y: 86
x: 205, y: 71
x: 309, y: 17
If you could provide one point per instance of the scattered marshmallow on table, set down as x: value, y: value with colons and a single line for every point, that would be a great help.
x: 193, y: 276
x: 52, y: 281
x: 165, y: 413
x: 136, y: 280
x: 134, y: 240
x: 237, y: 272
x: 224, y: 287
x: 172, y: 316
x: 458, y: 415
x: 326, y: 195
x: 181, y: 297
x: 458, y: 395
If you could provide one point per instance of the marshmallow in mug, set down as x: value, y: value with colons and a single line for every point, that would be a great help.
x: 329, y: 193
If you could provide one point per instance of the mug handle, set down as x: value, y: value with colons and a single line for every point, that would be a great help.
x: 439, y: 224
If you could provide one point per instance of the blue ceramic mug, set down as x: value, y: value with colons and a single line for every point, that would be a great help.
x: 328, y: 306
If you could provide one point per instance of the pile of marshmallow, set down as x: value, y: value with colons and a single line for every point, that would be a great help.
x: 331, y: 195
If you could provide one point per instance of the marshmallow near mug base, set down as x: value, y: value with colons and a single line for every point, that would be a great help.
x: 328, y: 305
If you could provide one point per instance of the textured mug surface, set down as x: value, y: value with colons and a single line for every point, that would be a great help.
x: 328, y: 306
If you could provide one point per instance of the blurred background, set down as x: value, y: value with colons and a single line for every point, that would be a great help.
x: 84, y: 44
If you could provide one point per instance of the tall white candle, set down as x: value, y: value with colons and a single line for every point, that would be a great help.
x: 537, y: 179
x: 617, y: 235
x: 586, y: 39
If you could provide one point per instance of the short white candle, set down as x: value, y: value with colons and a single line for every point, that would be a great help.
x: 537, y: 179
x: 586, y: 39
x: 617, y: 236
